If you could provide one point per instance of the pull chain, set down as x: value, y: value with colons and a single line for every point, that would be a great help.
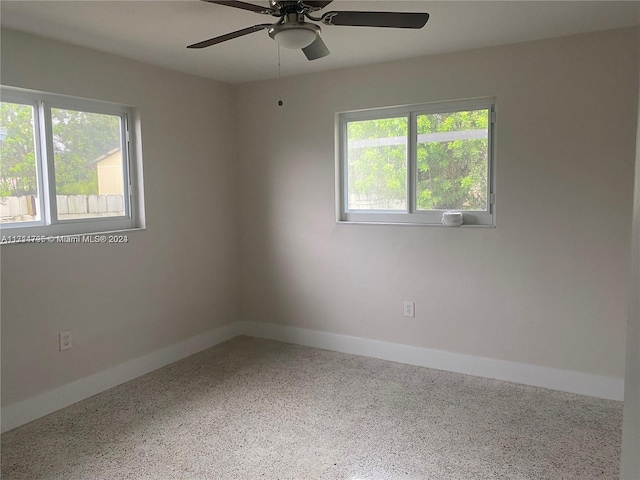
x: 280, y: 102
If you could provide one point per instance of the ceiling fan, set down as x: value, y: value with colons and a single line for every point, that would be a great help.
x: 293, y: 31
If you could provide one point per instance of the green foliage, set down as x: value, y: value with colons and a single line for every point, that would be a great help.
x: 452, y: 174
x: 17, y: 157
x: 378, y: 172
x: 79, y: 138
x: 451, y: 171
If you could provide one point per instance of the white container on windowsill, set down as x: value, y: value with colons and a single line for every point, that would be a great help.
x: 452, y: 219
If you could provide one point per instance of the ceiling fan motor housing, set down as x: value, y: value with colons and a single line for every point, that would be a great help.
x: 284, y: 7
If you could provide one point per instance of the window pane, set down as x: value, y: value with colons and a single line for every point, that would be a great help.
x: 453, y: 161
x: 18, y: 178
x: 88, y: 164
x: 377, y: 164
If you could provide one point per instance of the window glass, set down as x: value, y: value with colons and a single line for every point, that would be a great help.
x: 377, y: 164
x: 452, y: 160
x: 412, y: 164
x: 66, y: 166
x: 19, y: 200
x: 87, y: 153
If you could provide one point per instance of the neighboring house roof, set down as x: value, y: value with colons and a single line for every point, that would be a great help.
x: 105, y: 156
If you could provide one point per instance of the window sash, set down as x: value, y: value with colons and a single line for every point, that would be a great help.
x: 49, y: 222
x: 411, y: 215
x: 346, y: 163
x: 40, y: 186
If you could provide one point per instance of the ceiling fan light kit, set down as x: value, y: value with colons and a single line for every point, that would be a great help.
x: 295, y: 38
x: 293, y: 31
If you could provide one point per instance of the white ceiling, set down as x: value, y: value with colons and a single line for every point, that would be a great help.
x: 157, y: 32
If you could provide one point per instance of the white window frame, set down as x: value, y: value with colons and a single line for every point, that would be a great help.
x: 412, y: 216
x: 49, y: 224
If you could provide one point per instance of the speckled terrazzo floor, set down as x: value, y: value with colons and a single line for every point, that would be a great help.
x: 258, y: 409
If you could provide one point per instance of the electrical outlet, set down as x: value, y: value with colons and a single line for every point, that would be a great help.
x: 65, y: 340
x: 409, y: 309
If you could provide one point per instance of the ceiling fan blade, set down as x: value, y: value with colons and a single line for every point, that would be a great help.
x: 376, y: 19
x: 230, y: 36
x: 317, y: 4
x: 316, y: 50
x: 243, y: 5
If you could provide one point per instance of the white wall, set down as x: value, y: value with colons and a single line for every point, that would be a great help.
x: 630, y: 463
x: 172, y: 281
x: 547, y: 287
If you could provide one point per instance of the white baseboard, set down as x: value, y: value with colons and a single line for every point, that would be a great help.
x: 555, y: 379
x: 567, y: 381
x: 40, y: 405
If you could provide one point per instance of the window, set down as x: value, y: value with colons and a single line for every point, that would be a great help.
x: 410, y: 164
x: 65, y: 165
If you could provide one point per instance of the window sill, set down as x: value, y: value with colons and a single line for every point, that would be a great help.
x: 407, y: 224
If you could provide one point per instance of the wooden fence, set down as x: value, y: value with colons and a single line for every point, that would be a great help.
x: 24, y: 208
